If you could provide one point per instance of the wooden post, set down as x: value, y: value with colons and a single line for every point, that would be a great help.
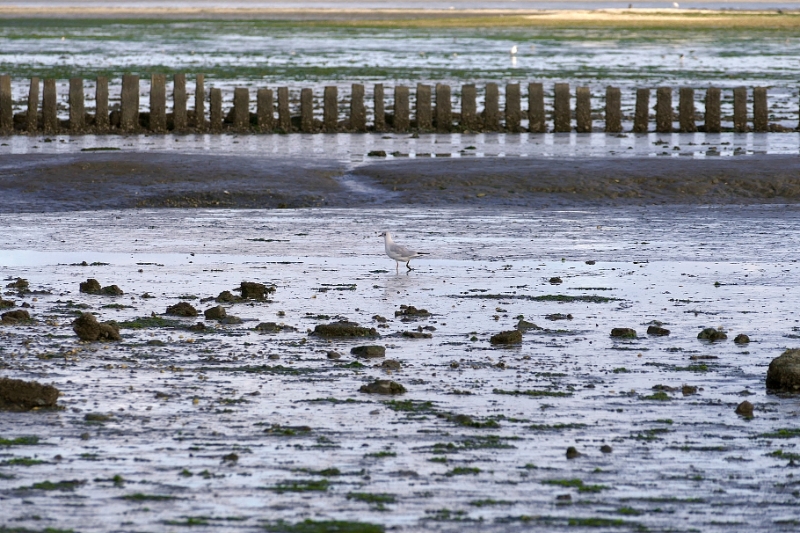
x: 401, y: 109
x: 32, y: 123
x: 129, y: 114
x: 424, y: 119
x: 6, y: 108
x: 284, y: 115
x: 760, y: 110
x: 380, y: 109
x: 158, y: 103
x: 686, y: 110
x: 264, y: 110
x: 215, y: 111
x: 561, y: 112
x: 641, y: 120
x: 469, y: 108
x: 444, y: 111
x: 537, y: 122
x: 241, y: 109
x: 179, y: 100
x: 613, y: 110
x: 49, y: 106
x: 513, y: 106
x: 583, y: 110
x: 200, y: 102
x: 330, y: 109
x: 664, y: 110
x: 306, y: 110
x: 491, y: 108
x: 740, y: 109
x: 358, y: 112
x: 101, y: 123
x: 712, y: 114
x: 77, y: 109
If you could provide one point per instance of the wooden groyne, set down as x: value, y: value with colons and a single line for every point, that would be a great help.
x: 432, y: 110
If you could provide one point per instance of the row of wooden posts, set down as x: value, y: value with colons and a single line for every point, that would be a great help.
x: 436, y: 115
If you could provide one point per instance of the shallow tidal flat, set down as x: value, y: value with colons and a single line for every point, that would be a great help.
x: 241, y: 425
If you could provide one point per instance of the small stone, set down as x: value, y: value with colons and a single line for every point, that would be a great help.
x: 230, y: 458
x: 15, y: 317
x: 273, y: 356
x: 745, y: 409
x: 20, y: 395
x: 344, y: 329
x: 688, y: 390
x: 376, y: 153
x: 334, y: 355
x: 657, y: 330
x: 416, y: 335
x: 378, y: 318
x: 85, y: 435
x: 383, y: 386
x: 625, y: 333
x: 513, y: 336
x: 268, y: 327
x: 524, y: 325
x: 225, y: 297
x: 6, y: 304
x: 368, y: 352
x: 555, y: 281
x: 590, y: 262
x: 90, y: 286
x: 605, y: 448
x: 558, y: 316
x: 711, y: 335
x: 454, y: 364
x: 784, y: 372
x: 411, y: 311
x: 572, y: 453
x: 111, y: 290
x: 215, y: 313
x: 197, y: 327
x: 182, y: 309
x: 255, y: 291
x: 564, y: 498
x: 87, y: 328
x: 391, y: 364
x: 19, y: 284
x: 230, y: 319
x: 741, y: 338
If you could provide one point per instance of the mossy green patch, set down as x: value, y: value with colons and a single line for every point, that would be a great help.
x: 58, y: 485
x: 323, y: 526
x: 301, y: 485
x: 574, y: 484
x: 141, y: 497
x: 19, y: 441
x: 21, y: 461
x: 463, y: 471
x: 659, y: 396
x: 534, y: 393
x: 783, y: 433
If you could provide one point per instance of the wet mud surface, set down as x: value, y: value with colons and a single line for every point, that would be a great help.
x: 240, y: 425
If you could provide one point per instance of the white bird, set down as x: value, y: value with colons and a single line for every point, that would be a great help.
x: 399, y: 253
x: 513, y: 50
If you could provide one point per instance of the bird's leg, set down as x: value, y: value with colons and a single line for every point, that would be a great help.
x: 397, y: 266
x: 408, y: 267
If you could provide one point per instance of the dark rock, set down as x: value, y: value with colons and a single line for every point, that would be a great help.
x: 741, y: 338
x: 334, y: 355
x: 181, y: 309
x: 590, y: 262
x: 230, y: 458
x: 255, y: 291
x: 558, y: 316
x: 197, y: 327
x: 572, y: 453
x: 745, y: 409
x: 605, y: 448
x: 513, y: 336
x: 411, y: 311
x: 524, y: 325
x: 6, y: 304
x: 15, y: 317
x: 711, y: 335
x: 19, y: 284
x: 657, y: 330
x: 226, y: 297
x: 215, y: 313
x: 344, y: 329
x: 391, y: 364
x: 230, y: 320
x: 416, y: 335
x: 368, y: 352
x: 274, y: 356
x: 688, y: 390
x: 376, y: 153
x: 111, y: 290
x: 90, y: 286
x: 156, y: 342
x: 454, y: 364
x: 268, y: 327
x: 383, y: 386
x: 88, y: 328
x: 19, y: 395
x: 379, y: 318
x: 783, y: 373
x: 625, y: 333
x: 555, y: 281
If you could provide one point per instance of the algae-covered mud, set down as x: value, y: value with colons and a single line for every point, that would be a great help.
x: 256, y: 420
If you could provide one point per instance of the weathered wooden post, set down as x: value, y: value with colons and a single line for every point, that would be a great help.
x: 101, y: 123
x: 32, y: 122
x: 740, y: 109
x: 179, y: 101
x: 664, y: 110
x: 241, y: 109
x: 330, y: 109
x: 49, y: 106
x: 158, y: 103
x: 491, y: 108
x: 469, y: 108
x: 264, y: 110
x: 129, y: 103
x: 358, y: 112
x: 686, y: 110
x: 306, y: 110
x: 6, y: 107
x: 215, y: 111
x: 77, y: 108
x: 712, y: 114
x: 561, y: 114
x: 284, y: 115
x: 641, y: 118
x: 444, y: 111
x: 537, y: 121
x: 402, y: 108
x: 583, y: 110
x: 380, y: 108
x: 423, y: 115
x: 613, y: 110
x: 760, y: 110
x: 513, y: 106
x: 200, y: 102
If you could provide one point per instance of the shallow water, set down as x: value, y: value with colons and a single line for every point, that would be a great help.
x: 687, y: 463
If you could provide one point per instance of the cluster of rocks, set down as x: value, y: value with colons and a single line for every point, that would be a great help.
x: 20, y: 395
x: 92, y: 286
x: 87, y: 328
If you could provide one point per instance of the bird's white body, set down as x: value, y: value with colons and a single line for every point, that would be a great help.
x: 397, y: 252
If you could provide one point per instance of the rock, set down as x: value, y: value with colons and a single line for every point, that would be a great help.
x: 274, y: 356
x: 572, y: 453
x: 90, y: 286
x: 383, y: 386
x: 344, y: 329
x: 783, y: 373
x: 88, y: 328
x: 605, y: 448
x: 225, y: 297
x: 215, y: 313
x: 6, y: 304
x: 590, y: 262
x: 745, y: 409
x: 20, y: 395
x: 255, y: 291
x: 368, y: 352
x: 711, y: 335
x: 513, y: 336
x: 454, y: 364
x: 657, y: 330
x: 334, y: 355
x: 555, y: 281
x: 230, y: 320
x: 741, y: 338
x: 688, y: 390
x: 111, y: 290
x: 416, y: 335
x: 524, y: 325
x: 181, y: 309
x: 197, y: 327
x: 268, y: 327
x: 376, y: 153
x: 558, y: 316
x: 15, y: 317
x: 378, y: 318
x: 411, y: 311
x: 625, y: 333
x: 391, y: 364
x: 19, y: 284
